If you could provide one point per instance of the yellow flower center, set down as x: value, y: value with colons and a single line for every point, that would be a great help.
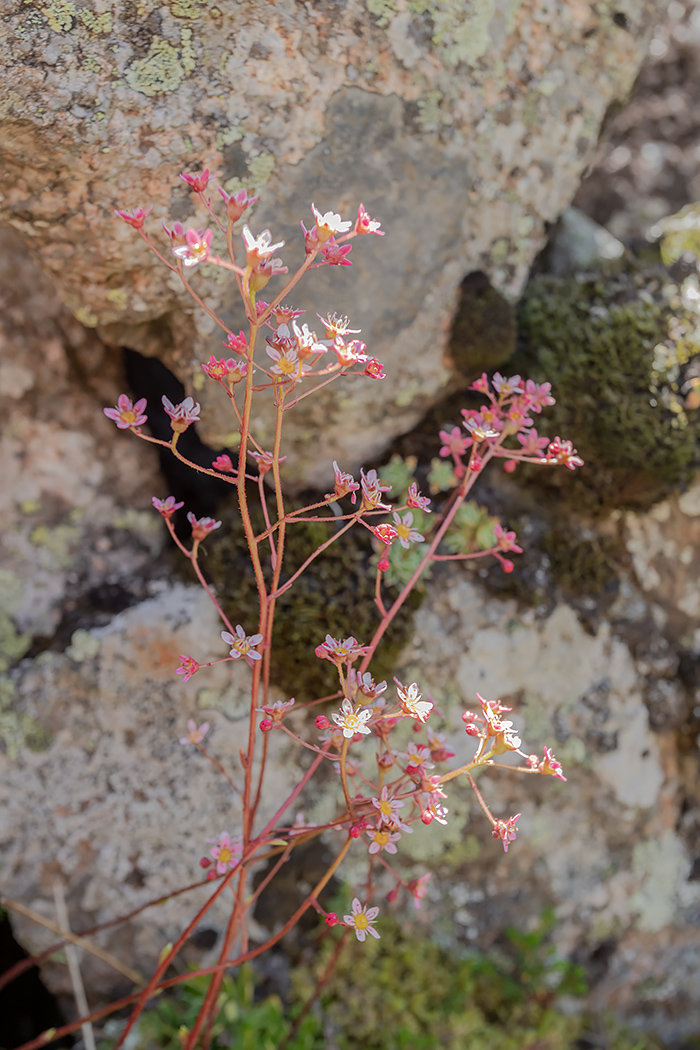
x: 129, y: 416
x: 286, y: 366
x: 385, y: 807
x: 225, y: 856
x: 404, y: 531
x: 381, y: 837
x: 361, y: 921
x: 352, y: 722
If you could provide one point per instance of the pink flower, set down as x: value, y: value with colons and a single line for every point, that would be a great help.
x: 417, y: 758
x: 176, y: 235
x: 265, y: 461
x: 364, y: 224
x: 181, y: 415
x: 223, y: 463
x: 340, y: 652
x: 136, y: 217
x: 362, y: 920
x: 453, y: 442
x: 405, y: 531
x: 372, y: 491
x: 505, y: 541
x: 344, y: 484
x: 550, y: 765
x: 481, y: 385
x: 126, y: 414
x: 194, y: 735
x: 166, y: 507
x: 188, y: 667
x: 538, y: 396
x: 506, y: 387
x: 196, y: 248
x: 419, y: 888
x: 335, y: 254
x: 382, y: 839
x: 237, y: 343
x: 278, y: 710
x: 351, y: 353
x: 375, y: 369
x: 415, y: 500
x: 439, y: 748
x: 563, y: 452
x: 411, y: 702
x: 532, y: 442
x: 506, y: 830
x: 385, y: 532
x: 478, y: 430
x: 242, y: 644
x: 198, y: 183
x: 226, y: 851
x: 201, y: 527
x: 387, y: 807
x: 287, y: 363
x: 237, y: 203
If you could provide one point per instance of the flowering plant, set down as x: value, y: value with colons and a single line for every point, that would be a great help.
x: 285, y: 361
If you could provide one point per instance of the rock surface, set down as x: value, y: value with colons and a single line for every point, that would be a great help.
x: 465, y: 126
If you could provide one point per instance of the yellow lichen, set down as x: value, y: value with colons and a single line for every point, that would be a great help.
x: 119, y: 297
x: 60, y: 15
x: 159, y: 72
x: 186, y: 8
x: 86, y: 317
x: 228, y: 137
x: 96, y: 23
x: 189, y: 61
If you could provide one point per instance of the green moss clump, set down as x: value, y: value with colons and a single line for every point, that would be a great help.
x: 335, y: 595
x: 619, y: 348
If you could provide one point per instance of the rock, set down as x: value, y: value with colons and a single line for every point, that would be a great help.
x: 464, y: 127
x: 579, y: 243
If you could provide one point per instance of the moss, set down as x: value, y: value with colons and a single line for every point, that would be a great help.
x: 334, y: 595
x: 618, y: 347
x: 483, y: 333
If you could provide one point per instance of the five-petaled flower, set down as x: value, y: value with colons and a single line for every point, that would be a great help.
x: 362, y: 920
x: 196, y: 248
x: 181, y: 415
x: 226, y: 851
x: 411, y: 702
x: 259, y: 248
x: 278, y: 710
x: 385, y: 532
x: 328, y: 224
x: 136, y: 217
x: 372, y: 491
x: 195, y: 735
x: 236, y: 203
x: 188, y: 667
x: 550, y: 765
x: 344, y: 484
x: 197, y: 183
x: 352, y: 721
x: 416, y: 500
x: 417, y: 758
x: 364, y: 224
x: 506, y: 541
x: 126, y: 414
x: 405, y: 531
x: 242, y: 644
x: 506, y: 830
x: 340, y: 652
x: 375, y: 369
x: 223, y: 463
x: 335, y: 254
x: 563, y: 452
x: 166, y: 507
x: 387, y: 807
x: 201, y: 527
x: 382, y: 839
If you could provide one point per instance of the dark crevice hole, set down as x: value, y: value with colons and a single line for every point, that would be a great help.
x: 27, y: 1007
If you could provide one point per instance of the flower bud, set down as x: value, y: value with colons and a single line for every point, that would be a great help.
x: 355, y: 831
x: 332, y: 919
x: 468, y: 716
x: 507, y: 565
x: 211, y: 874
x: 386, y: 760
x: 471, y: 730
x: 426, y: 816
x: 392, y: 895
x: 266, y: 725
x: 205, y: 862
x: 321, y: 722
x: 509, y: 466
x: 383, y: 564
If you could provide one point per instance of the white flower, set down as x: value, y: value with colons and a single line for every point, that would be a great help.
x: 195, y: 735
x: 330, y: 223
x: 242, y: 645
x: 361, y: 920
x: 261, y: 246
x: 411, y: 702
x: 352, y: 721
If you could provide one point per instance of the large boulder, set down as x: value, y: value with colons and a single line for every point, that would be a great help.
x: 464, y: 126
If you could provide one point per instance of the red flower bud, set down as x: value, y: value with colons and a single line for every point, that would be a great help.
x: 471, y: 730
x: 211, y: 874
x: 266, y: 725
x: 205, y: 862
x: 321, y: 722
x: 507, y: 565
x: 392, y: 895
x: 426, y: 816
x: 355, y: 831
x: 332, y: 919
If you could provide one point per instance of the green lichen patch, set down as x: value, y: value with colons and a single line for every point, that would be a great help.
x: 17, y: 729
x: 160, y: 72
x: 620, y: 348
x: 335, y: 595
